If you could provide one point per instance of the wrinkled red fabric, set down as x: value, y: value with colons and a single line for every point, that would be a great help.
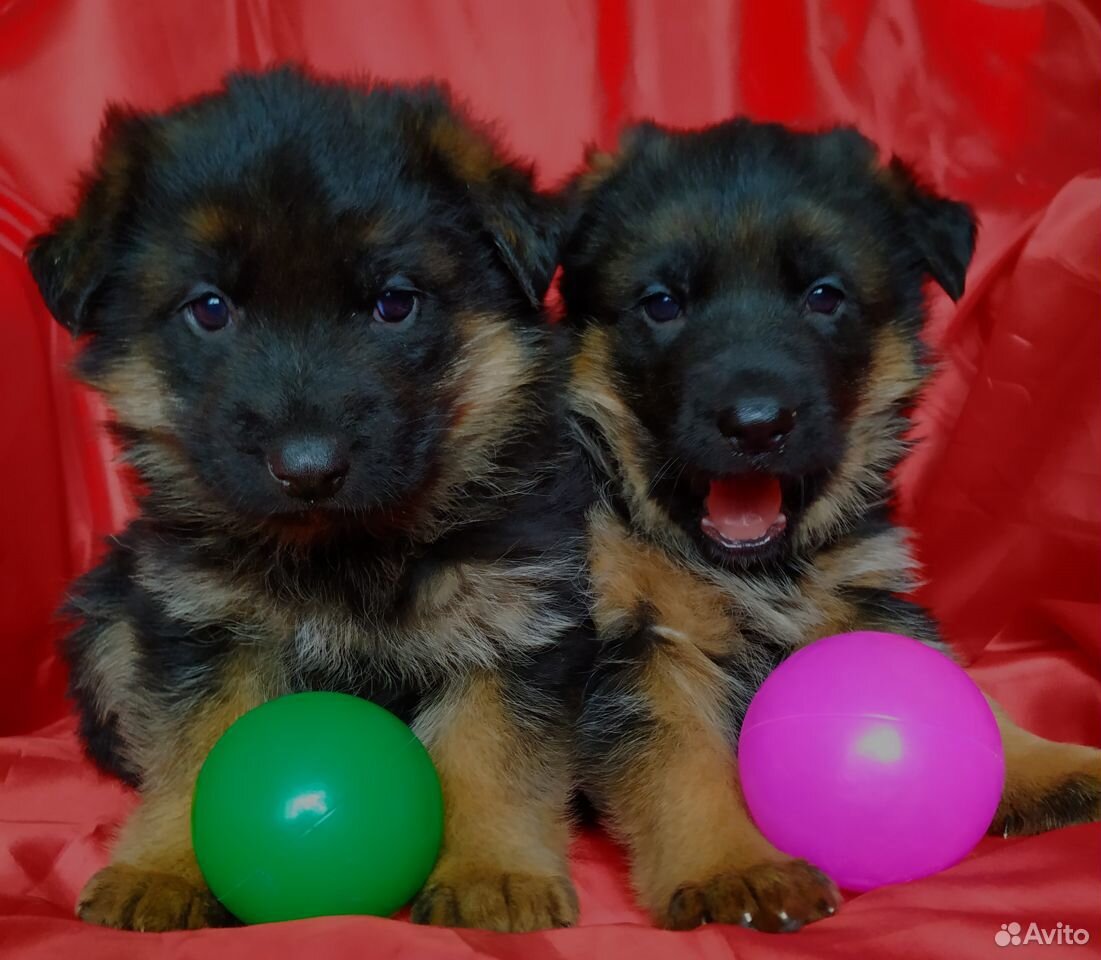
x: 996, y: 103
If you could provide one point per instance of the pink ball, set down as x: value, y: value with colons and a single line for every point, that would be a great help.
x: 873, y: 757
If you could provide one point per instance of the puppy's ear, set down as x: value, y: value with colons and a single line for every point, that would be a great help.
x: 526, y: 227
x: 71, y: 262
x: 601, y: 165
x: 943, y: 231
x: 524, y: 224
x: 578, y: 198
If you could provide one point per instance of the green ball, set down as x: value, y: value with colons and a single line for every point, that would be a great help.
x: 316, y: 804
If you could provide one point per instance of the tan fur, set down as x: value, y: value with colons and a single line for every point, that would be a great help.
x: 874, y: 441
x: 1043, y: 780
x: 596, y: 395
x: 131, y: 898
x: 141, y: 401
x: 137, y: 393
x: 503, y: 863
x: 880, y: 562
x: 695, y: 853
x: 599, y: 167
x: 153, y: 882
x: 492, y: 371
x: 459, y: 620
x: 492, y: 368
x: 629, y: 575
x: 470, y: 154
x: 113, y: 668
x: 209, y: 224
x: 713, y: 605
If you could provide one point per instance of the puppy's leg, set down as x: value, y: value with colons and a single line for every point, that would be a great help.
x: 657, y: 750
x: 505, y: 785
x: 153, y: 881
x: 1047, y: 784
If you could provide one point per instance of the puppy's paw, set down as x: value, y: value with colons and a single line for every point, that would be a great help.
x: 509, y: 901
x: 1061, y: 788
x: 776, y: 897
x: 128, y: 898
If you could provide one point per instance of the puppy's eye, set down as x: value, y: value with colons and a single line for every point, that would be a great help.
x: 661, y: 307
x: 825, y: 298
x: 393, y: 306
x: 210, y: 313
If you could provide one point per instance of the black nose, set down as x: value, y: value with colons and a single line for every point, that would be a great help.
x: 756, y: 424
x: 309, y: 467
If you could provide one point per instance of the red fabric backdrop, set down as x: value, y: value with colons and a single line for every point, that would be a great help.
x: 998, y: 103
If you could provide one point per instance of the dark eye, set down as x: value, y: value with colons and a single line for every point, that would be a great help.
x: 393, y: 306
x: 210, y: 313
x: 824, y: 298
x: 661, y: 307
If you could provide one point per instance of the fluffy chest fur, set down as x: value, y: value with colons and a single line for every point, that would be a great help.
x: 719, y: 607
x: 735, y: 627
x: 410, y: 622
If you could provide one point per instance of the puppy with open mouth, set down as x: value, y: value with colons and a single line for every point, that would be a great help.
x: 747, y: 303
x: 315, y: 310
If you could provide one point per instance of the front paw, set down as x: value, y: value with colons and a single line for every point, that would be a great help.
x: 1056, y: 788
x: 128, y: 898
x: 472, y: 895
x: 775, y: 897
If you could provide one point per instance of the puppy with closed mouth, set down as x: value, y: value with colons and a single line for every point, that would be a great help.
x: 315, y: 310
x: 747, y: 303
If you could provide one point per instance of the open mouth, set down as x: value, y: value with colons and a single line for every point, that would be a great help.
x: 744, y: 513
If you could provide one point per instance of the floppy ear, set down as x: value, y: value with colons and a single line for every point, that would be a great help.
x: 943, y: 231
x: 525, y: 225
x: 71, y: 262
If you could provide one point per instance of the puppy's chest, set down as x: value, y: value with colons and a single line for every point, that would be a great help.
x: 720, y: 614
x: 462, y: 617
x: 450, y: 619
x: 637, y: 583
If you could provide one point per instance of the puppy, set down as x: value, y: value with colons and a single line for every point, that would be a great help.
x: 316, y: 313
x: 748, y: 302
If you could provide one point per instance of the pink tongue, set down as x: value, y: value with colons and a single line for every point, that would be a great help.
x: 743, y: 508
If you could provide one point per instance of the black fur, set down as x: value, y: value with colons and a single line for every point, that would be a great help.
x: 738, y: 223
x: 708, y: 276
x: 296, y: 211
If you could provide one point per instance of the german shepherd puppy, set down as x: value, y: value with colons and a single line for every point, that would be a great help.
x: 316, y: 313
x: 748, y: 303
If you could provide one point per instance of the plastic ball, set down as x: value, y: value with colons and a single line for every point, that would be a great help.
x: 316, y: 804
x: 872, y: 756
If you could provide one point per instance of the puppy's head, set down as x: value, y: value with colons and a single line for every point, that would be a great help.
x: 750, y: 300
x: 307, y: 304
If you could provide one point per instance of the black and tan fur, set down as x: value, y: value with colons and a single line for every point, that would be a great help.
x: 439, y: 580
x: 735, y: 223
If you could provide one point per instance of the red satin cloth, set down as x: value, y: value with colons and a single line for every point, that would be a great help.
x: 997, y: 103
